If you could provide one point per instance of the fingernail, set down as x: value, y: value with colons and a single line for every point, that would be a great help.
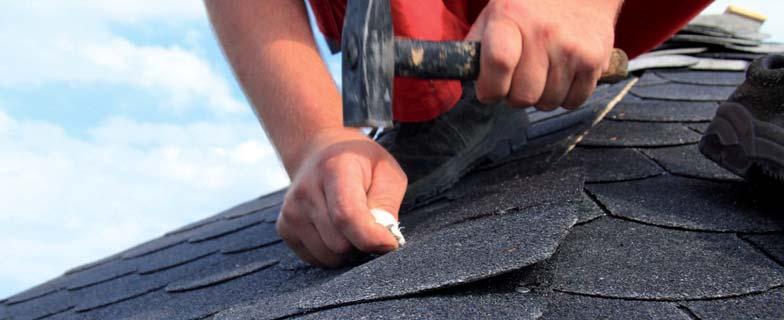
x: 388, y: 221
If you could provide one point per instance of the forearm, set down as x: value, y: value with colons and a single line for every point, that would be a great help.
x: 271, y: 49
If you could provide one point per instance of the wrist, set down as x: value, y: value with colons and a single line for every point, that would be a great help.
x: 294, y: 157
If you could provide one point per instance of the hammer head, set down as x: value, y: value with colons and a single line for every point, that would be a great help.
x: 368, y: 64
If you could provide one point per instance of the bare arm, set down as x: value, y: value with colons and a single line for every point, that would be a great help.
x: 338, y: 174
x: 271, y: 48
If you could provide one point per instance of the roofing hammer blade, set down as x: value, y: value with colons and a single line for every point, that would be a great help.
x: 372, y: 57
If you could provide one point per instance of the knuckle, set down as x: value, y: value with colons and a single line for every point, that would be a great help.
x: 501, y: 59
x: 591, y: 61
x: 328, y: 164
x: 522, y: 99
x: 283, y: 231
x: 571, y: 50
x: 341, y: 218
x: 289, y: 215
x: 546, y: 32
x: 341, y: 247
x: 546, y: 106
x: 297, y: 194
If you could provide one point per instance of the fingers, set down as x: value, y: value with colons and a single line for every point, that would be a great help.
x: 305, y: 227
x: 388, y: 187
x: 530, y: 78
x: 559, y: 80
x: 582, y: 87
x: 501, y: 51
x: 347, y: 204
x: 317, y: 248
x: 286, y: 232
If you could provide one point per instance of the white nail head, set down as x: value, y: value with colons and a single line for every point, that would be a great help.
x: 388, y: 221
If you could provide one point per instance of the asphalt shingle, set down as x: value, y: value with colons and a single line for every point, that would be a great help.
x: 611, y: 164
x: 710, y: 78
x: 758, y: 306
x: 635, y: 109
x: 605, y: 233
x: 629, y: 134
x: 683, y: 92
x: 659, y: 264
x: 464, y: 253
x: 688, y: 161
x: 689, y: 204
x: 486, y: 306
x: 576, y: 307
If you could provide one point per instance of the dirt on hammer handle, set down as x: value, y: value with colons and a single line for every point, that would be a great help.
x: 459, y: 60
x: 619, y: 67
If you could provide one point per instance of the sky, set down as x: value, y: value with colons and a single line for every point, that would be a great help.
x: 120, y: 120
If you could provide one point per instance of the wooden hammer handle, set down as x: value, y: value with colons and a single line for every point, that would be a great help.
x: 459, y: 60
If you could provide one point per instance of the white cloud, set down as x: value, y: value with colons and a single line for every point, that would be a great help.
x: 73, y: 43
x: 69, y: 200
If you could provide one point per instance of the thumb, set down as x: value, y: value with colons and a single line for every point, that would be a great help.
x: 387, y: 188
x: 385, y: 195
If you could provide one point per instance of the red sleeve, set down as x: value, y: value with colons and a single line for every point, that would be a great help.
x: 644, y: 24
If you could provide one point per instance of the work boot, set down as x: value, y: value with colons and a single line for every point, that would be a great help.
x: 435, y: 154
x: 747, y: 134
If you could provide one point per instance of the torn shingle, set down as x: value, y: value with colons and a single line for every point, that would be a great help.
x: 689, y: 204
x: 625, y: 134
x: 620, y: 259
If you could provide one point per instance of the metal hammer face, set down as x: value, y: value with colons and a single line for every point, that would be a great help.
x: 368, y: 64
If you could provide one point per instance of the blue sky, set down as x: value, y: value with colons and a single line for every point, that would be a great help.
x: 120, y: 120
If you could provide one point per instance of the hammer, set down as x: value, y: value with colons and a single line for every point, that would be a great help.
x: 372, y: 57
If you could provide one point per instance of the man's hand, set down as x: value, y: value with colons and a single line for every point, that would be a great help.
x: 547, y: 53
x: 326, y: 214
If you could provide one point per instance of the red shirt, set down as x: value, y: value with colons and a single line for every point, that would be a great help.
x: 642, y: 25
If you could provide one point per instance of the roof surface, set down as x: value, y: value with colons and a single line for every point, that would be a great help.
x: 634, y: 224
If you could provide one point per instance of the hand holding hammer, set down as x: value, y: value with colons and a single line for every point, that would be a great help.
x: 372, y: 56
